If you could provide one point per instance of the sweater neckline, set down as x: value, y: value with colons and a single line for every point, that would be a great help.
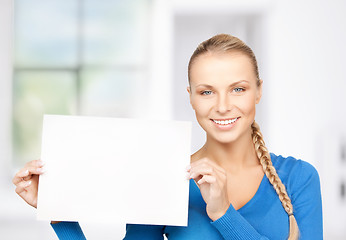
x: 260, y: 189
x: 255, y: 197
x: 251, y: 201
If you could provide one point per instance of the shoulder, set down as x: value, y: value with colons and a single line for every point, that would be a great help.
x: 287, y: 166
x: 303, y: 187
x: 295, y: 174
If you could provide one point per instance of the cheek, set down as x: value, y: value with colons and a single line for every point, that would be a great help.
x: 248, y: 105
x: 201, y: 108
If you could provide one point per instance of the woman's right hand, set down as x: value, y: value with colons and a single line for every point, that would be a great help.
x: 26, y: 181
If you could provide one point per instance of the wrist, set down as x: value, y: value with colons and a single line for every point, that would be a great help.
x: 216, y: 215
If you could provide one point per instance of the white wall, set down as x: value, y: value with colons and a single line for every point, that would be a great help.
x: 307, y: 86
x: 5, y: 86
x: 16, y: 218
x: 307, y: 78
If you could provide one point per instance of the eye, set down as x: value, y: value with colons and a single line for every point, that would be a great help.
x: 206, y: 92
x: 238, y: 89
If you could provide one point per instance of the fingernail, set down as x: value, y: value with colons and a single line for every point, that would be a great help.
x: 188, y: 167
x: 40, y: 163
x: 41, y: 170
x: 26, y: 172
x: 28, y: 183
x: 188, y: 176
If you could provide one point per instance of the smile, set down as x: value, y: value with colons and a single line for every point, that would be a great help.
x: 225, y: 121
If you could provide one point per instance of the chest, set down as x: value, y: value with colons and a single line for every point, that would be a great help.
x: 243, y: 187
x: 264, y: 213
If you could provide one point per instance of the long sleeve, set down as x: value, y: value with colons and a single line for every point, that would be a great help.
x: 303, y: 186
x: 68, y: 231
x: 232, y: 225
x: 307, y: 203
x: 144, y: 232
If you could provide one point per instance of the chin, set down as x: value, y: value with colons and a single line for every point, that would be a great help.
x: 229, y: 136
x: 224, y: 139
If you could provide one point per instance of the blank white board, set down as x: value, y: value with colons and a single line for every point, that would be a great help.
x: 114, y: 170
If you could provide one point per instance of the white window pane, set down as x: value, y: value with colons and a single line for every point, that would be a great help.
x: 112, y: 93
x: 35, y: 94
x: 46, y: 33
x: 116, y: 32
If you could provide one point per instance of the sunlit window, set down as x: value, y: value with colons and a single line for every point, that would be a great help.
x: 85, y: 57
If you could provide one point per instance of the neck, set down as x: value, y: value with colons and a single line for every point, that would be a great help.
x: 233, y: 156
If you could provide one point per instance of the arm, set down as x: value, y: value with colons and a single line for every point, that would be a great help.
x: 303, y: 187
x: 233, y: 225
x: 307, y: 203
x: 68, y: 231
x: 144, y: 232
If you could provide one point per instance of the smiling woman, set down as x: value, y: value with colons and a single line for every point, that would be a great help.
x: 238, y: 190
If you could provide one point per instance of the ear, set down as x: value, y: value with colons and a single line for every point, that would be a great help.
x: 259, y: 92
x: 190, y: 95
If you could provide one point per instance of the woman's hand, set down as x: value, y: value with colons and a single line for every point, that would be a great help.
x: 212, y: 182
x: 26, y: 181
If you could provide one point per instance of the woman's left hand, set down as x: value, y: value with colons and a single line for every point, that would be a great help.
x: 212, y: 182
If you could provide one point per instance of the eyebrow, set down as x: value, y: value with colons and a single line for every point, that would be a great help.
x: 231, y: 85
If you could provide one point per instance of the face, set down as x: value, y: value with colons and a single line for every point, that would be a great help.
x: 224, y: 93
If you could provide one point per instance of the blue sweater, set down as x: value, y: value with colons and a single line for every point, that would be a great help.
x: 263, y: 217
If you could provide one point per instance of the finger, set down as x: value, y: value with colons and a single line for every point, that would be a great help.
x: 201, y: 171
x: 204, y: 168
x: 35, y: 163
x: 188, y: 168
x: 207, y: 179
x: 21, y: 187
x: 35, y: 171
x: 26, y: 174
x: 20, y: 175
x: 206, y: 161
x: 32, y: 171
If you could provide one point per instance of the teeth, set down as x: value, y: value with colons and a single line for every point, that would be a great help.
x: 225, y: 122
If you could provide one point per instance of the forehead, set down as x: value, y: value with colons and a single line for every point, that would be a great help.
x: 218, y: 68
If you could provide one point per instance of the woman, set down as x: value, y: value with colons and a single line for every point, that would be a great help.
x: 238, y: 190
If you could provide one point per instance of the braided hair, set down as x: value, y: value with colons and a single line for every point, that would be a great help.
x: 269, y: 170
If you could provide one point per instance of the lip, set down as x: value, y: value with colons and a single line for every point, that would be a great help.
x: 225, y: 126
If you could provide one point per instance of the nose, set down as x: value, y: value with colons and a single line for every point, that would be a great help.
x: 223, y: 104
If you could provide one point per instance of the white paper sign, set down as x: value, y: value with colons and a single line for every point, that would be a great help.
x: 114, y: 170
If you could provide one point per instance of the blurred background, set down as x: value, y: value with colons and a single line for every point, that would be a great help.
x: 129, y: 58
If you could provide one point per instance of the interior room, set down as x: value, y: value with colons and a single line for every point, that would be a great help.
x: 129, y: 59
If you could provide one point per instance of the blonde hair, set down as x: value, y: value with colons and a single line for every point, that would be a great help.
x: 226, y: 43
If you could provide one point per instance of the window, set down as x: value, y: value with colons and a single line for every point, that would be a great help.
x: 85, y: 57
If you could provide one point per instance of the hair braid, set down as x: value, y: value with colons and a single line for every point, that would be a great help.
x: 269, y: 170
